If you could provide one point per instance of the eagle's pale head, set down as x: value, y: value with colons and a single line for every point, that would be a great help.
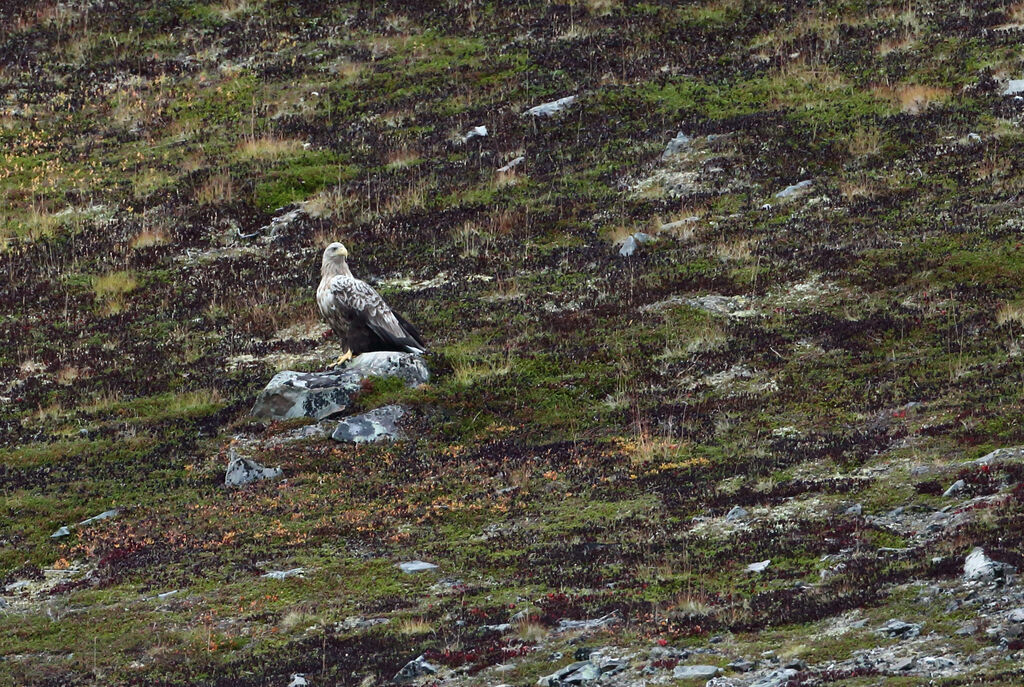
x: 335, y: 252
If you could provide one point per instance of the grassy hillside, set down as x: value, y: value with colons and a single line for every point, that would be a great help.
x: 593, y: 418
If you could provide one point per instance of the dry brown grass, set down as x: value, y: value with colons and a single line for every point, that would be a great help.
x: 267, y: 147
x: 219, y: 188
x: 402, y: 157
x: 736, y: 251
x: 1010, y: 312
x: 912, y: 98
x: 152, y: 236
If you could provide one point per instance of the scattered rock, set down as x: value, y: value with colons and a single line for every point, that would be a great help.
x: 1001, y: 455
x: 416, y: 566
x: 285, y: 574
x: 776, y: 678
x: 904, y: 664
x: 555, y: 678
x: 703, y: 672
x: 512, y: 164
x: 737, y: 514
x: 760, y: 566
x: 377, y: 425
x: 900, y: 629
x: 62, y: 532
x: 293, y: 394
x: 66, y: 529
x: 1014, y: 87
x: 418, y: 667
x: 242, y: 471
x: 1016, y: 615
x: 551, y: 108
x: 592, y: 624
x: 955, y: 488
x: 966, y: 630
x: 855, y: 509
x: 676, y: 145
x: 476, y: 131
x: 742, y: 666
x: 796, y: 189
x: 298, y: 680
x: 733, y: 306
x: 588, y: 672
x: 979, y: 567
x: 631, y: 243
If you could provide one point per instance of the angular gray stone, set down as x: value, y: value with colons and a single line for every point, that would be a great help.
x: 380, y: 424
x: 591, y: 624
x: 416, y: 566
x: 1016, y: 615
x: 557, y: 677
x: 293, y: 394
x: 418, y: 667
x: 628, y: 247
x: 736, y: 514
x: 979, y: 567
x: 795, y: 189
x: 1014, y: 87
x: 512, y: 164
x: 284, y: 574
x: 551, y: 108
x: 760, y: 566
x: 242, y: 471
x: 702, y: 672
x: 588, y: 672
x: 776, y: 678
x: 955, y: 488
x: 676, y: 145
x: 900, y: 629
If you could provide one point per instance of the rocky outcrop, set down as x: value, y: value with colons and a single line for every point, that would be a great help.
x: 317, y: 395
x: 380, y: 424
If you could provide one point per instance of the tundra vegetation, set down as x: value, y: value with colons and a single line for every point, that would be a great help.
x: 592, y: 418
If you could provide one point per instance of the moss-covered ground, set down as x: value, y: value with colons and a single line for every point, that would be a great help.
x: 589, y: 424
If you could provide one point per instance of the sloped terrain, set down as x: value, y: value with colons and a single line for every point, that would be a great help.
x: 804, y: 366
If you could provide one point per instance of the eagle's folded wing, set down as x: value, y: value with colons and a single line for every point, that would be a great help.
x: 360, y: 298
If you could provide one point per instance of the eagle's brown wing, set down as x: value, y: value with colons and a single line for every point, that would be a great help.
x: 366, y: 305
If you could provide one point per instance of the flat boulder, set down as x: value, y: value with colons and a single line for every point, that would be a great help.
x: 380, y: 424
x: 292, y: 394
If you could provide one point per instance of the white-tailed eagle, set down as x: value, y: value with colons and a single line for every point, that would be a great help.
x: 357, y: 313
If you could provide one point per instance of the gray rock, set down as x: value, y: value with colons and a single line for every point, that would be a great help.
x: 702, y: 672
x: 796, y: 664
x: 1001, y: 455
x: 1016, y: 615
x: 904, y: 664
x: 776, y: 678
x: 105, y: 515
x: 760, y: 566
x: 62, y: 532
x: 979, y: 567
x: 1014, y: 87
x: 284, y: 574
x: 735, y: 306
x: 736, y: 514
x: 555, y: 678
x: 592, y: 624
x: 551, y: 108
x: 795, y: 189
x: 293, y: 394
x: 855, y: 509
x: 900, y: 629
x: 966, y: 630
x: 476, y: 131
x: 955, y: 488
x: 17, y: 586
x: 416, y: 566
x: 742, y: 666
x: 418, y: 667
x: 298, y: 680
x: 501, y: 627
x: 676, y: 145
x: 588, y: 672
x: 512, y: 164
x: 630, y: 244
x: 377, y: 425
x: 242, y: 471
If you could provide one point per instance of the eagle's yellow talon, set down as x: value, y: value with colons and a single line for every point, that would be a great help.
x: 343, y: 358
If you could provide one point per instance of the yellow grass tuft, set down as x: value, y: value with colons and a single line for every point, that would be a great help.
x: 267, y: 147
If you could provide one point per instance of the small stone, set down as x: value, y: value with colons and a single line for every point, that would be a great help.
x: 904, y: 664
x: 900, y: 629
x: 376, y: 425
x: 737, y: 514
x: 590, y: 624
x: 678, y: 144
x: 285, y: 574
x: 776, y: 678
x: 760, y: 566
x: 551, y: 108
x: 628, y: 247
x: 476, y: 131
x: 795, y: 664
x: 1016, y: 615
x: 298, y: 680
x: 795, y: 189
x: 16, y: 586
x: 1014, y: 86
x: 742, y: 666
x: 973, y: 136
x: 955, y: 488
x: 416, y: 566
x: 105, y: 515
x: 855, y: 509
x: 62, y: 532
x: 512, y: 164
x: 966, y: 630
x: 418, y: 667
x: 242, y: 471
x: 588, y: 672
x: 979, y: 567
x: 702, y: 672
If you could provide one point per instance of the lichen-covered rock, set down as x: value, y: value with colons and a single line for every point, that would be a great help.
x: 317, y: 395
x: 380, y: 424
x: 242, y: 471
x: 418, y: 667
